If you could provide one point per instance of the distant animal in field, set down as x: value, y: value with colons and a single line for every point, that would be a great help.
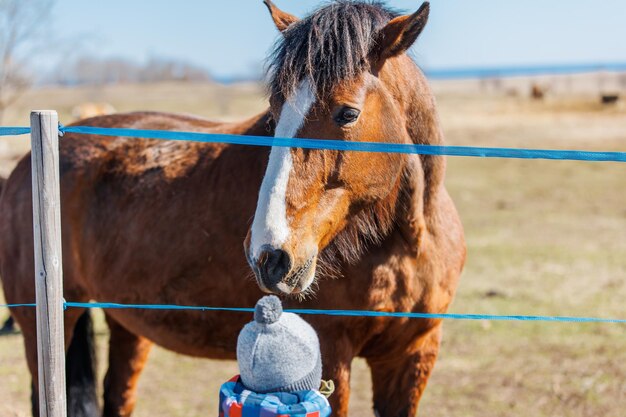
x: 91, y: 109
x: 174, y: 222
x: 608, y: 99
x: 512, y: 92
x: 538, y: 92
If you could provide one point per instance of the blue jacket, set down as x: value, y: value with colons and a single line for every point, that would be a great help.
x: 237, y: 401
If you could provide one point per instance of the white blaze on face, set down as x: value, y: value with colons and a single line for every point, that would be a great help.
x: 270, y: 225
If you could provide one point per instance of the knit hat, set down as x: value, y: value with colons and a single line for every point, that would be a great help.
x: 278, y: 352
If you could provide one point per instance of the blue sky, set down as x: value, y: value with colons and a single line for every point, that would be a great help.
x: 232, y: 37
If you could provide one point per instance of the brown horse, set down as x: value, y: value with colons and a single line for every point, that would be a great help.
x: 148, y: 221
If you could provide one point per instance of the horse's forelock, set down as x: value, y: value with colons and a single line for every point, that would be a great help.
x: 328, y: 46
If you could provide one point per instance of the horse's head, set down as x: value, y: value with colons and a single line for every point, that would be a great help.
x: 341, y: 73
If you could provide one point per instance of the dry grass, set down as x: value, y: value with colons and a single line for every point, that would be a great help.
x: 544, y: 238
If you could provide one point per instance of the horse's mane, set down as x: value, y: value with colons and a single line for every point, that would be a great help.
x: 330, y: 45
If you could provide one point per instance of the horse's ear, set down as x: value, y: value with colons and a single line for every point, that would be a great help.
x: 282, y: 20
x: 399, y: 34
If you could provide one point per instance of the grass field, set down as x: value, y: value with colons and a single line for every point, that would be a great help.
x: 543, y: 238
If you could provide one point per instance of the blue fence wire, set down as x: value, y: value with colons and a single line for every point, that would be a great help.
x: 338, y: 145
x: 341, y: 313
x: 14, y: 131
x: 18, y: 305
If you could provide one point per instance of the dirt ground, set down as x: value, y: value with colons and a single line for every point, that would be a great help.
x: 543, y: 238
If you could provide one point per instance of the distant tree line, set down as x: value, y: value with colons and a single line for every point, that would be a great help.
x: 25, y: 42
x: 22, y: 37
x: 103, y: 71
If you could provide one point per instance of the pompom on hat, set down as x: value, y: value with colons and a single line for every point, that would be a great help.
x: 278, y: 351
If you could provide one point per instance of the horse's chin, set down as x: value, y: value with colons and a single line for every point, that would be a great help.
x: 305, y: 285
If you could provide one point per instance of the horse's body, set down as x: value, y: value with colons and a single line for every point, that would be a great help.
x: 150, y: 222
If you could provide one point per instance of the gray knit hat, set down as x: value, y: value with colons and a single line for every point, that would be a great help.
x: 278, y: 352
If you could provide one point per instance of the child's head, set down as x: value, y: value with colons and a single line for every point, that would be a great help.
x: 278, y: 352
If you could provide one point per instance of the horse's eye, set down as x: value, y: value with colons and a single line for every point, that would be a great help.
x: 347, y: 115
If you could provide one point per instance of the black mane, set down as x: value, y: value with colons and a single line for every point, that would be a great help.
x: 328, y: 46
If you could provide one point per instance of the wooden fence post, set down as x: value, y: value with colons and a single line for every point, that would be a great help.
x: 48, y: 263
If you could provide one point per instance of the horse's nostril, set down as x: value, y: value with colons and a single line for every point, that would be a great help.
x: 273, y: 266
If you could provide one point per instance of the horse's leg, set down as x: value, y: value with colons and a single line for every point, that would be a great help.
x: 80, y: 368
x: 399, y: 382
x: 27, y: 319
x: 8, y: 326
x: 337, y: 355
x: 128, y: 354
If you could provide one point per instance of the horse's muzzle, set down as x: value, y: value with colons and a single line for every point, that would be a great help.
x: 271, y: 268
